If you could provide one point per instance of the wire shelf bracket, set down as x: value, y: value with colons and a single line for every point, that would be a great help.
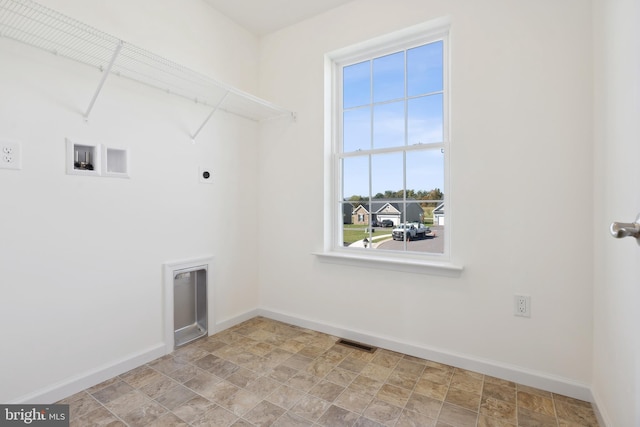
x: 30, y: 23
x: 217, y: 107
x: 105, y: 74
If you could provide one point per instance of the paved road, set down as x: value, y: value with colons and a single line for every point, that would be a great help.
x: 433, y: 244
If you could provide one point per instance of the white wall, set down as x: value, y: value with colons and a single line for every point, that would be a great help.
x: 81, y: 257
x: 521, y: 192
x: 616, y: 373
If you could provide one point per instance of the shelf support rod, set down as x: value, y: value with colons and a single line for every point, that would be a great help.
x: 105, y: 74
x: 216, y: 108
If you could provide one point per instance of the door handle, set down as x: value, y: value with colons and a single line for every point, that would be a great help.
x: 626, y: 229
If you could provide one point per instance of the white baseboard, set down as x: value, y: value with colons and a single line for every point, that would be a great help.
x: 226, y: 324
x: 77, y: 383
x: 598, y: 408
x: 497, y: 369
x: 517, y: 374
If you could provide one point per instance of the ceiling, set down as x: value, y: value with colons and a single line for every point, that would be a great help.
x: 266, y: 16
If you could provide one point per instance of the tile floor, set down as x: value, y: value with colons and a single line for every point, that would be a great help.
x: 267, y: 373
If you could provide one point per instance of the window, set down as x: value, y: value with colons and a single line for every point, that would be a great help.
x: 389, y: 152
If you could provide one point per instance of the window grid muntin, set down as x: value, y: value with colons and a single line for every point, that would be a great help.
x: 339, y: 154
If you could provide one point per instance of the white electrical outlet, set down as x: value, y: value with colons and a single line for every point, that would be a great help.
x: 10, y: 155
x: 522, y: 306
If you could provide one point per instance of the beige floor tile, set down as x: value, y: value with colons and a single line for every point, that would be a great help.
x: 499, y: 392
x: 394, y: 395
x: 285, y: 397
x: 499, y: 382
x: 202, y: 382
x: 210, y: 345
x: 303, y: 381
x: 335, y: 355
x: 264, y: 414
x: 281, y: 373
x: 103, y: 384
x: 265, y: 372
x: 291, y: 420
x: 457, y: 416
x: 319, y: 368
x: 410, y: 418
x: 175, y: 397
x: 424, y: 405
x: 571, y: 401
x: 376, y: 372
x: 81, y: 404
x: 263, y: 386
x: 353, y: 364
x: 437, y: 375
x: 401, y: 379
x: 431, y: 389
x: 341, y: 376
x: 310, y: 408
x: 337, y: 417
x: 239, y: 403
x: 463, y: 398
x: 498, y: 409
x: 127, y: 403
x: 465, y: 380
x: 168, y: 420
x: 144, y: 414
x: 386, y: 358
x: 365, y: 385
x: 382, y: 412
x: 353, y: 401
x: 535, y: 391
x: 98, y: 417
x: 486, y: 421
x: 215, y: 416
x: 536, y: 403
x: 242, y: 377
x: 112, y: 392
x: 193, y: 409
x: 168, y: 365
x: 220, y: 392
x: 159, y: 387
x: 575, y: 413
x: 528, y: 418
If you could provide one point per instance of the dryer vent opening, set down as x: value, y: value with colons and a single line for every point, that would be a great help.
x: 356, y: 345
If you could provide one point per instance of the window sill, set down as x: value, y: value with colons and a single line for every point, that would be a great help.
x: 408, y: 265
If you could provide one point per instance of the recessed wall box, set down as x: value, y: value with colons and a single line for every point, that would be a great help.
x: 187, y: 290
x: 83, y: 158
x: 115, y: 162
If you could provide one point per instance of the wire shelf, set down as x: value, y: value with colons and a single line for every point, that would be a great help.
x: 28, y: 22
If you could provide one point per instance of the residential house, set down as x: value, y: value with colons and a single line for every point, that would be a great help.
x: 376, y: 212
x: 438, y: 215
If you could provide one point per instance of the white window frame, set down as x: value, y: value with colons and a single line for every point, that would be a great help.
x: 333, y: 251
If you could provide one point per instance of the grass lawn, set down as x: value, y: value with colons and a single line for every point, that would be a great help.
x: 353, y: 233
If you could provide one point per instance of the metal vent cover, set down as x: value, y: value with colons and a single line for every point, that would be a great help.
x: 356, y: 345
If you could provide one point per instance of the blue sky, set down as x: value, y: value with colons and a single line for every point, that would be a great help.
x: 374, y: 91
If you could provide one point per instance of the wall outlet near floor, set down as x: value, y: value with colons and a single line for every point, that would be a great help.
x: 10, y: 155
x: 522, y: 306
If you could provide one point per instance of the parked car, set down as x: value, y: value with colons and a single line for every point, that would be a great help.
x: 387, y: 223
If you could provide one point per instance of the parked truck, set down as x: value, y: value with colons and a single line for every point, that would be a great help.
x: 412, y: 231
